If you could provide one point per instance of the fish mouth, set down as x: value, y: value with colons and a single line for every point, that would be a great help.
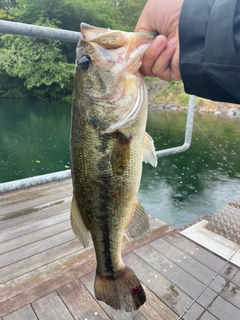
x: 133, y: 44
x: 96, y: 34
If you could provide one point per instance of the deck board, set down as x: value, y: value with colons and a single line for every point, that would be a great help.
x: 164, y: 289
x: 223, y: 310
x: 80, y: 302
x: 36, y: 247
x: 34, y: 237
x: 181, y: 281
x: 51, y: 307
x: 220, y: 285
x: 45, y: 273
x: 25, y: 313
x: 203, y: 255
x: 19, y: 231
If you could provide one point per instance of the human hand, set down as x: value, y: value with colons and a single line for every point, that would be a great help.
x: 161, y: 59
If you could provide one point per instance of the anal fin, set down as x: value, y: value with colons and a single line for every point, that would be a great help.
x: 139, y: 225
x: 78, y: 226
x: 149, y: 154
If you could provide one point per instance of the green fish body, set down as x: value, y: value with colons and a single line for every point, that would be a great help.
x: 108, y: 144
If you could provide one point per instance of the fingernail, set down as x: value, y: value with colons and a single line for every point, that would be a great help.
x: 157, y: 43
x: 172, y: 42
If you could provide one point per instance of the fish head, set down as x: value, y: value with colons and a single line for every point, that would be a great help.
x: 107, y: 74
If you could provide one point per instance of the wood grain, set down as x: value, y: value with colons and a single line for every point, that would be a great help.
x: 18, y: 231
x: 25, y: 313
x: 51, y: 307
x: 34, y: 237
x: 164, y: 289
x: 80, y: 302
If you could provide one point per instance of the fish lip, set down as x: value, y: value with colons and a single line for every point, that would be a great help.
x: 101, y: 32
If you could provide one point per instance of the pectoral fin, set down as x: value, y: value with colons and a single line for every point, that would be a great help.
x: 139, y: 224
x: 149, y: 154
x: 78, y: 225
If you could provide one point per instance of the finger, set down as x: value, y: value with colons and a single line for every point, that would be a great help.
x: 152, y: 54
x: 162, y: 67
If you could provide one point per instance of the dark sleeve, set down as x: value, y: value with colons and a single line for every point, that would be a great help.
x: 209, y: 33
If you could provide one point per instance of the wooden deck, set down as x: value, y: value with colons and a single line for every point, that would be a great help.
x: 46, y: 274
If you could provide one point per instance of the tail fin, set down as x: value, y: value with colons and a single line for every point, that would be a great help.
x: 122, y: 291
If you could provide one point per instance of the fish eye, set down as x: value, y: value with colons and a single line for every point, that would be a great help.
x: 84, y: 62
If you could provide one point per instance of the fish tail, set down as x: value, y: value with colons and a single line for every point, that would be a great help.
x: 122, y: 291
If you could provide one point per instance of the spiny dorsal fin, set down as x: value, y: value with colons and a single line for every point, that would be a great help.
x: 139, y: 224
x: 78, y: 225
x: 149, y: 154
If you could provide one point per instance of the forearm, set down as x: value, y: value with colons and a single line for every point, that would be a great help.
x: 209, y: 35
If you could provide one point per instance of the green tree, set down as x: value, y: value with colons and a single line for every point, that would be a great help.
x: 43, y: 68
x: 129, y: 11
x: 6, y: 6
x: 39, y: 63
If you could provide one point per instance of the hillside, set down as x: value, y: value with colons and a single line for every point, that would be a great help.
x: 171, y: 95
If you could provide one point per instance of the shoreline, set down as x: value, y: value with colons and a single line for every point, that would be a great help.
x: 231, y: 112
x: 171, y: 96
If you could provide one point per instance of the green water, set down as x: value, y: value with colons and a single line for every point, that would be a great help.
x: 34, y: 140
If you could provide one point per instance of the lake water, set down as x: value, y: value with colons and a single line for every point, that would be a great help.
x: 34, y: 139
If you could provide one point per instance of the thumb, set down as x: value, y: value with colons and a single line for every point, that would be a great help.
x: 155, y: 49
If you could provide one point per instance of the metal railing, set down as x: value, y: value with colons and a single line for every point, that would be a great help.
x: 28, y: 30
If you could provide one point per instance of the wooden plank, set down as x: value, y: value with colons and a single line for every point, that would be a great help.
x: 80, y: 302
x: 44, y: 281
x: 35, y: 236
x: 24, y: 206
x: 35, y: 248
x: 197, y: 270
x: 188, y: 263
x: 18, y: 231
x: 178, y: 276
x: 224, y: 310
x: 88, y: 281
x: 231, y: 293
x: 201, y: 254
x: 25, y: 313
x: 34, y: 216
x: 47, y: 278
x: 164, y: 289
x: 23, y: 272
x: 207, y: 316
x: 236, y: 279
x: 33, y: 196
x: 51, y: 307
x: 154, y: 308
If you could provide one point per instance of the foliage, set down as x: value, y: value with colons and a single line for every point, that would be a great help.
x: 130, y: 11
x: 42, y: 68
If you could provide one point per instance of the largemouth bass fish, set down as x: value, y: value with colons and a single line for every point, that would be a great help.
x: 108, y: 144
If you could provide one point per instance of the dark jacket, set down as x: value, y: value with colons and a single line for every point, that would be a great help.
x: 209, y: 33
